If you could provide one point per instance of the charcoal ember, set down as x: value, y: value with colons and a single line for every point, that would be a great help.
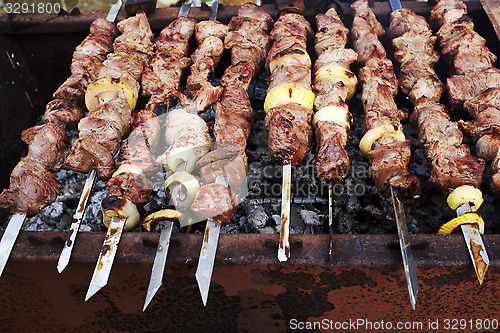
x: 310, y: 217
x: 258, y: 217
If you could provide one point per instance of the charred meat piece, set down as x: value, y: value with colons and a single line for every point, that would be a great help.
x: 486, y: 122
x: 63, y: 111
x: 290, y: 134
x: 215, y: 201
x: 464, y: 87
x: 32, y: 187
x: 389, y: 166
x: 97, y: 44
x: 133, y: 186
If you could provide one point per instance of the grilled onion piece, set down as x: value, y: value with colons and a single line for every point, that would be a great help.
x: 335, y: 73
x: 465, y: 194
x: 385, y: 131
x: 106, y: 89
x: 336, y: 114
x: 289, y: 93
x: 189, y: 187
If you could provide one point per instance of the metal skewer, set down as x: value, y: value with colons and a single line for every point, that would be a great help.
x: 106, y: 257
x: 406, y: 252
x: 475, y: 244
x: 284, y: 245
x: 207, y: 253
x: 9, y: 238
x: 77, y: 220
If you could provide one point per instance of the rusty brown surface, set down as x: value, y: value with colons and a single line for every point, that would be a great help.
x: 251, y: 290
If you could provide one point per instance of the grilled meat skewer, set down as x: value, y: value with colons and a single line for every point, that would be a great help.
x: 384, y: 142
x: 334, y: 83
x: 475, y: 83
x: 453, y: 168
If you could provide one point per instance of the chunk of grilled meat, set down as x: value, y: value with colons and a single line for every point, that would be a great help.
x: 165, y: 69
x: 47, y: 145
x: 97, y: 44
x: 63, y: 111
x: 32, y: 187
x: 228, y: 161
x: 136, y: 35
x: 252, y: 14
x: 404, y: 20
x: 32, y: 184
x: 464, y: 87
x: 290, y: 133
x: 215, y: 201
x: 365, y: 41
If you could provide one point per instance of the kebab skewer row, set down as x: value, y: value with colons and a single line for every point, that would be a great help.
x: 288, y: 105
x: 33, y: 185
x: 384, y: 141
x: 475, y: 84
x: 334, y: 84
x: 130, y: 185
x: 111, y: 100
x: 452, y: 166
x: 249, y: 43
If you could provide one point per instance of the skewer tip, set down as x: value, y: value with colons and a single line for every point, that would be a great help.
x: 92, y: 291
x: 204, y: 287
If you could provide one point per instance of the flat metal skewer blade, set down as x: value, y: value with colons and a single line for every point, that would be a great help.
x: 475, y: 245
x: 207, y: 252
x: 77, y: 220
x: 330, y: 217
x: 406, y: 252
x: 9, y: 238
x: 159, y: 263
x: 113, y: 12
x: 106, y: 257
x: 207, y: 258
x: 185, y: 8
x: 395, y: 4
x: 284, y: 245
x: 213, y: 10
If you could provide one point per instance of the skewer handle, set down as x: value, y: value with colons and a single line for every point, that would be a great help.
x: 284, y: 245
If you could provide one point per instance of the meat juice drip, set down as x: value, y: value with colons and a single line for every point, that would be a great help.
x: 358, y: 208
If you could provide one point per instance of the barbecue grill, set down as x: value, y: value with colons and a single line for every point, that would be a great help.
x: 357, y: 273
